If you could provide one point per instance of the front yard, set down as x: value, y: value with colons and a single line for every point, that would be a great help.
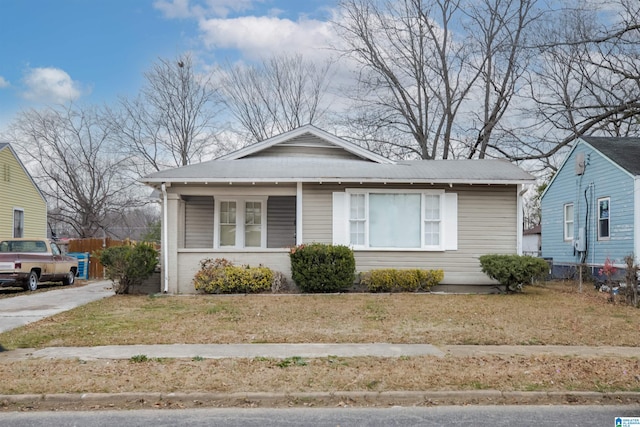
x: 553, y: 313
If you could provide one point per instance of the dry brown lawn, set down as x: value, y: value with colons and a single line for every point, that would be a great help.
x: 553, y: 313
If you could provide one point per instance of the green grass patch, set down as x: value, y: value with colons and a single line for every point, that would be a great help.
x: 292, y: 361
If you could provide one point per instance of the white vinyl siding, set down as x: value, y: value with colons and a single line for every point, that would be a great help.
x: 568, y: 222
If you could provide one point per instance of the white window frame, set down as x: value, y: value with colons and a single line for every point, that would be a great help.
x: 567, y: 221
x: 13, y: 225
x: 423, y: 220
x: 608, y: 236
x: 241, y: 206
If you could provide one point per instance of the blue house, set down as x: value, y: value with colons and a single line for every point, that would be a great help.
x: 591, y: 207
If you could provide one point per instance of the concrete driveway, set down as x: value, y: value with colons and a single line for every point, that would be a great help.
x: 30, y: 307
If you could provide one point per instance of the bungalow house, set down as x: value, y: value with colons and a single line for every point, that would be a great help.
x: 591, y: 207
x: 23, y: 208
x: 306, y: 185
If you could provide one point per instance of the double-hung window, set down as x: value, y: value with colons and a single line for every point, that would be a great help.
x: 603, y: 218
x: 240, y: 223
x: 396, y: 219
x: 568, y: 222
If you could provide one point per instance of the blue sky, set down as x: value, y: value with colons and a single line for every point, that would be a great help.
x: 91, y: 51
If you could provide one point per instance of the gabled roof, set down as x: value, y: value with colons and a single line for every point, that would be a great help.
x: 306, y: 129
x: 299, y: 169
x: 253, y: 165
x: 6, y: 145
x: 625, y: 152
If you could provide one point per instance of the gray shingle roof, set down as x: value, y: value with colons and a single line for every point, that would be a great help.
x: 623, y: 151
x: 294, y: 169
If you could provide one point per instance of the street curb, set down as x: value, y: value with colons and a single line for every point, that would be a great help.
x: 141, y: 400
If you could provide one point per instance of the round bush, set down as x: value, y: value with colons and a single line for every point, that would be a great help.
x: 318, y: 268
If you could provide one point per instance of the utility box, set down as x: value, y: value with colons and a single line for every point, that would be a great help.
x: 83, y: 264
x: 580, y: 243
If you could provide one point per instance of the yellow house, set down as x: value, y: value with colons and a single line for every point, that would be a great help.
x: 23, y: 208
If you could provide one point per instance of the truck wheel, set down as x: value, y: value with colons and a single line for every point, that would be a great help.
x: 69, y: 278
x: 32, y: 284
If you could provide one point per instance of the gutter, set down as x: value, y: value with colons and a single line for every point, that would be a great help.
x: 165, y: 236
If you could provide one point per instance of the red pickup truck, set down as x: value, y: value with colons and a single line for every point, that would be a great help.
x: 26, y: 262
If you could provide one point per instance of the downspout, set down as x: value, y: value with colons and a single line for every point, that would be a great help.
x: 520, y: 219
x: 299, y: 238
x: 165, y: 240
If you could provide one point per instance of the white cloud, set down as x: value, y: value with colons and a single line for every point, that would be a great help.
x: 201, y: 8
x: 259, y: 37
x: 50, y: 85
x: 3, y: 82
x: 173, y: 8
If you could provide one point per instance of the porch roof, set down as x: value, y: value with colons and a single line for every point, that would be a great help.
x: 300, y: 169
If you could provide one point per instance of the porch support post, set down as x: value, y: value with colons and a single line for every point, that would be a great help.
x: 298, y: 213
x: 520, y: 219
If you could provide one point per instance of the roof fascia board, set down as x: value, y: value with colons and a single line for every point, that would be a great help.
x: 336, y: 180
x: 345, y: 145
x: 566, y: 159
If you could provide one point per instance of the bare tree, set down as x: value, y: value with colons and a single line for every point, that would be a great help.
x: 275, y: 96
x: 70, y: 154
x: 414, y: 75
x: 501, y: 29
x: 171, y: 122
x: 586, y: 80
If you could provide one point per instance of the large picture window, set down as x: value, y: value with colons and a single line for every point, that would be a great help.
x: 568, y: 222
x: 396, y: 220
x: 604, y: 210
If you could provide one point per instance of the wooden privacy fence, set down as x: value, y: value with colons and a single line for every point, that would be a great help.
x: 96, y: 270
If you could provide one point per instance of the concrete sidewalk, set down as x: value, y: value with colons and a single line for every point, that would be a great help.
x: 310, y: 350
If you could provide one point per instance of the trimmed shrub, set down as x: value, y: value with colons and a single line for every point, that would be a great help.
x: 513, y: 271
x: 220, y: 276
x: 322, y: 268
x: 392, y: 280
x: 128, y: 266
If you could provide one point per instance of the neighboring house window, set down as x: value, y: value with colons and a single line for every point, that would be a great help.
x: 568, y: 222
x: 603, y: 218
x: 18, y: 223
x: 241, y: 223
x: 396, y: 220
